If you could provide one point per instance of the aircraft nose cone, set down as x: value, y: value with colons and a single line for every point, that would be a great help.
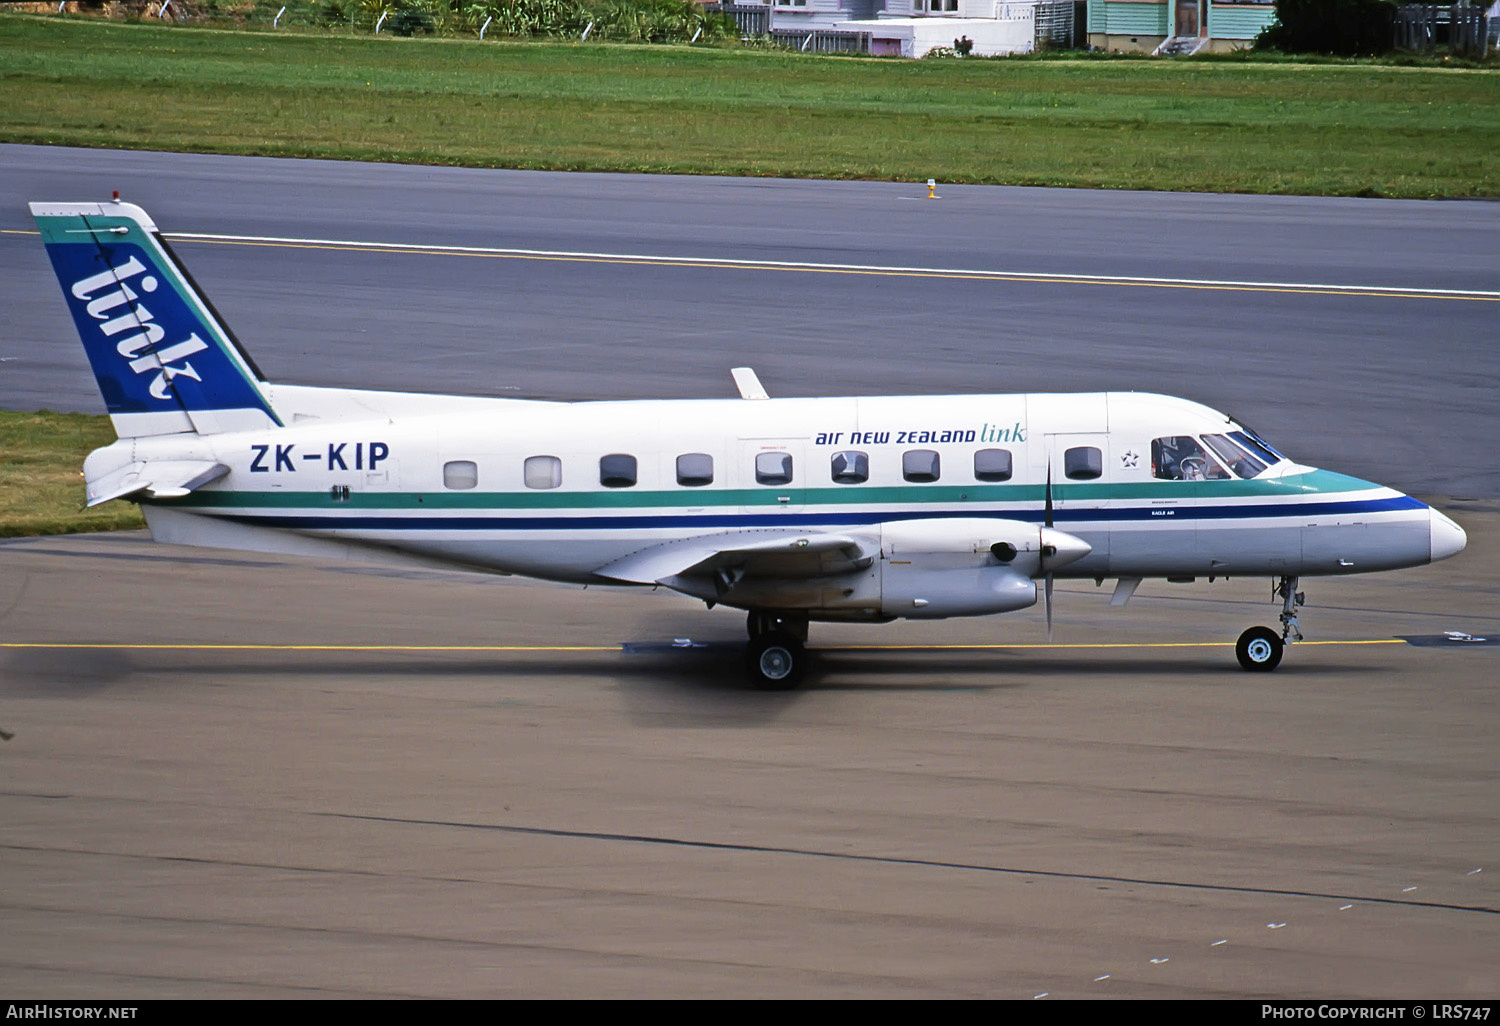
x: 1069, y: 548
x: 1448, y: 539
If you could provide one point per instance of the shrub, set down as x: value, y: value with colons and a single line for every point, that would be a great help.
x: 1347, y: 28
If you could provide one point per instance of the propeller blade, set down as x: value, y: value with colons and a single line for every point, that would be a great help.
x: 1048, y: 602
x: 1047, y: 521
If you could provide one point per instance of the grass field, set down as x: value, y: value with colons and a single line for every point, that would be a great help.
x: 41, y: 475
x: 1221, y: 126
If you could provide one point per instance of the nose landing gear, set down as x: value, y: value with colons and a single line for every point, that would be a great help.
x: 1259, y: 648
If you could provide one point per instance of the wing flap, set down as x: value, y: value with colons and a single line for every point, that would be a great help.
x: 786, y: 553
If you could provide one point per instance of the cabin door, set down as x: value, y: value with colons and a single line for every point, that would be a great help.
x: 1081, y: 471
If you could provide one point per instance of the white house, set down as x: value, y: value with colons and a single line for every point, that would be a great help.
x: 914, y: 28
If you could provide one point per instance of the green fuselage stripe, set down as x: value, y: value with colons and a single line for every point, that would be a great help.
x: 1317, y: 482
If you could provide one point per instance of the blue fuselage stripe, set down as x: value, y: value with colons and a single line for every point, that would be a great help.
x: 403, y: 521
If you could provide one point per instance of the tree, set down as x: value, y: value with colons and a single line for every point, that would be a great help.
x: 1348, y: 28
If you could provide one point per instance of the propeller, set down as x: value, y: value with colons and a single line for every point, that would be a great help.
x: 1047, y: 581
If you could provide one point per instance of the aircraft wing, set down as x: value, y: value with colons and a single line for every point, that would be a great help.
x: 167, y: 479
x: 778, y: 553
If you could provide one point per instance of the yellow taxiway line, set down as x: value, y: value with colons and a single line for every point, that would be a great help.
x: 192, y: 647
x: 725, y: 263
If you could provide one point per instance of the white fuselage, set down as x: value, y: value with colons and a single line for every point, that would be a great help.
x: 561, y: 490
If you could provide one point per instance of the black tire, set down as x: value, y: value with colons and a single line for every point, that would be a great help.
x: 776, y: 661
x: 1259, y: 649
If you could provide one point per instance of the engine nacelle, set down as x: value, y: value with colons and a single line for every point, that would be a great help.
x: 911, y: 590
x: 967, y: 566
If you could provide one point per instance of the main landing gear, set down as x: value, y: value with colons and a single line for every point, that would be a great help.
x: 1259, y: 648
x: 777, y: 654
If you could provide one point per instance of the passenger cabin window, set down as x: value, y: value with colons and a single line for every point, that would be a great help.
x: 992, y: 465
x: 1083, y: 463
x: 850, y: 467
x: 773, y: 468
x: 460, y: 474
x: 1240, y: 459
x: 695, y: 469
x: 1182, y: 458
x: 920, y: 465
x: 542, y: 472
x: 617, y: 470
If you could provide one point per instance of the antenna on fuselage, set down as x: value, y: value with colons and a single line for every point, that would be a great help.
x: 748, y: 384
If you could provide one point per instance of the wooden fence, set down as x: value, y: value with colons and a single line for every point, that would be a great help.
x: 1463, y: 28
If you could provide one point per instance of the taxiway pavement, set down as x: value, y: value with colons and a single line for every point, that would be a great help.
x: 1395, y: 389
x: 477, y: 792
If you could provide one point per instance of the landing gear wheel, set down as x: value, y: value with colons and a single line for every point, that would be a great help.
x: 776, y: 661
x: 1259, y: 648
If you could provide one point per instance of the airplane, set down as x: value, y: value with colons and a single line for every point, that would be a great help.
x: 853, y: 509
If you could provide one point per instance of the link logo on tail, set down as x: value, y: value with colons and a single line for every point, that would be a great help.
x: 163, y: 361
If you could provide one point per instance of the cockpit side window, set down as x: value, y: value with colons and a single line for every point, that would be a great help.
x: 1243, y: 462
x: 1183, y: 458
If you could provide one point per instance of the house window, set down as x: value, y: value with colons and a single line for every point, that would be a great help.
x: 543, y: 472
x: 617, y: 470
x: 773, y: 468
x: 460, y: 474
x: 695, y: 469
x: 920, y: 465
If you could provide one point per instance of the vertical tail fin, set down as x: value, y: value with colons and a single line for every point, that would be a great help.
x: 164, y: 361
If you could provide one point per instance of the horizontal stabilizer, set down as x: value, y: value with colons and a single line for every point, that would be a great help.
x: 169, y: 479
x: 805, y: 552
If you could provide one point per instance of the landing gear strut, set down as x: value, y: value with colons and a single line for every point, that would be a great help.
x: 1259, y: 648
x: 776, y: 657
x: 761, y: 621
x: 1291, y: 601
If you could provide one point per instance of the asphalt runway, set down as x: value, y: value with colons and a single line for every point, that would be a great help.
x: 1393, y: 388
x: 499, y: 788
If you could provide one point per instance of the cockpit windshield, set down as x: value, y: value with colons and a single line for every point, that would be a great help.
x: 1235, y: 450
x: 1257, y: 445
x: 1211, y: 458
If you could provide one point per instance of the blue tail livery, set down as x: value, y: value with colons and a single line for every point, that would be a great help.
x: 164, y: 361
